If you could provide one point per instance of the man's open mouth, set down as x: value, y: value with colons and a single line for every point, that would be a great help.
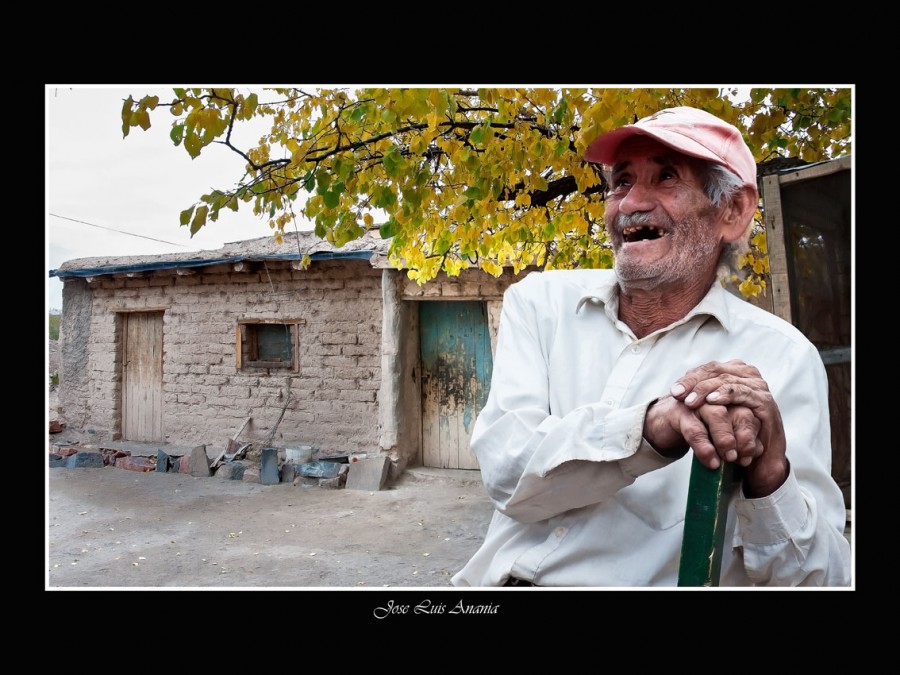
x: 641, y: 233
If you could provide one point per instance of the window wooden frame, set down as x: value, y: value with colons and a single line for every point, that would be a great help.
x: 245, y: 337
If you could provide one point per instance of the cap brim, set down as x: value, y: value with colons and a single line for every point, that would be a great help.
x: 604, y: 148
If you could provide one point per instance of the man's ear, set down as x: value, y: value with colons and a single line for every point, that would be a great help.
x: 737, y: 214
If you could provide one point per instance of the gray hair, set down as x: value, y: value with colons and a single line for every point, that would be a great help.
x: 721, y: 185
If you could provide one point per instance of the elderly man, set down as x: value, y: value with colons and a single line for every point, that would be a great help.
x: 607, y: 382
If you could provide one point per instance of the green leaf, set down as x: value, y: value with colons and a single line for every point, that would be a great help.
x: 562, y: 146
x: 179, y: 92
x: 199, y: 219
x: 384, y: 197
x: 323, y: 180
x: 332, y: 197
x: 442, y: 245
x: 388, y: 116
x: 358, y: 114
x: 559, y: 112
x: 192, y: 145
x: 389, y: 229
x: 412, y: 197
x: 250, y: 105
x: 177, y: 133
x: 473, y: 192
x: 390, y: 161
x: 343, y: 168
x: 185, y: 216
x: 348, y: 231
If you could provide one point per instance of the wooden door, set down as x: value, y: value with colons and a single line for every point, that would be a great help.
x: 142, y: 376
x: 456, y: 371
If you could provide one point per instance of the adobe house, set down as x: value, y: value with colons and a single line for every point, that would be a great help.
x: 181, y: 349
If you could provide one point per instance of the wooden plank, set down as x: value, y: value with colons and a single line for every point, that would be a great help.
x: 430, y: 392
x: 823, y: 169
x: 239, y: 346
x: 127, y: 395
x: 155, y: 381
x: 431, y: 448
x: 142, y: 377
x: 456, y: 347
x: 835, y: 355
x: 704, y: 524
x: 448, y: 379
x: 777, y: 247
x: 479, y: 378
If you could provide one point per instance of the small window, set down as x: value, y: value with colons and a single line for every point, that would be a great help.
x: 267, y: 344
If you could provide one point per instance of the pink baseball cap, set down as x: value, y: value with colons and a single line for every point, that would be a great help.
x: 689, y: 131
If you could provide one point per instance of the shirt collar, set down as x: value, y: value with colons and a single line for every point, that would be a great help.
x: 606, y: 292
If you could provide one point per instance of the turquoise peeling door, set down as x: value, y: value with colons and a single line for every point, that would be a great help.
x: 456, y: 374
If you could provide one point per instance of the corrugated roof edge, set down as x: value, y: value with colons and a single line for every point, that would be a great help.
x: 202, y: 262
x: 260, y: 249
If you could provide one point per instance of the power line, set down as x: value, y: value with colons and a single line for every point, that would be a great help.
x: 112, y: 229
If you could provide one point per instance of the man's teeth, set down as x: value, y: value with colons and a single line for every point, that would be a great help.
x: 649, y: 232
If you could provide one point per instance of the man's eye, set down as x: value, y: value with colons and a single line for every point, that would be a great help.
x: 667, y: 174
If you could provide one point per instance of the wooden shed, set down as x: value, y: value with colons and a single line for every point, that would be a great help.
x: 809, y: 230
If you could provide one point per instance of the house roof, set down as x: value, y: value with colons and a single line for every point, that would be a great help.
x: 293, y: 247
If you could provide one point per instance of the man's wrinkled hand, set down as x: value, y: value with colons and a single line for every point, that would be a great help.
x: 738, y: 385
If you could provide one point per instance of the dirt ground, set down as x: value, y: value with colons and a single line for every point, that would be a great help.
x: 110, y: 528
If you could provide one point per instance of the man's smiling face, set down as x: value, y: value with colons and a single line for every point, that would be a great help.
x: 662, y: 226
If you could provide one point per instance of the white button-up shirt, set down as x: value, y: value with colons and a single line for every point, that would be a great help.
x: 583, y: 500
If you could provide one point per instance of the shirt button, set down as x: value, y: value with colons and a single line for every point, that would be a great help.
x: 610, y: 402
x: 560, y: 531
x: 636, y: 349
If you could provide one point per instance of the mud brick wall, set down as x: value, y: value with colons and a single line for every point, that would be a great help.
x: 471, y: 284
x: 206, y: 397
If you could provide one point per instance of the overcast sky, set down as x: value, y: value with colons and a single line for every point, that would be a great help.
x: 137, y: 185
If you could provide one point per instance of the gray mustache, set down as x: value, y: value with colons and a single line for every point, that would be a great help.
x: 641, y: 219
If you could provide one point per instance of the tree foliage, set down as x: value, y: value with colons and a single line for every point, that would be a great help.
x: 457, y: 178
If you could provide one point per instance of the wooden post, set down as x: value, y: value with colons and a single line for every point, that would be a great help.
x: 776, y: 241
